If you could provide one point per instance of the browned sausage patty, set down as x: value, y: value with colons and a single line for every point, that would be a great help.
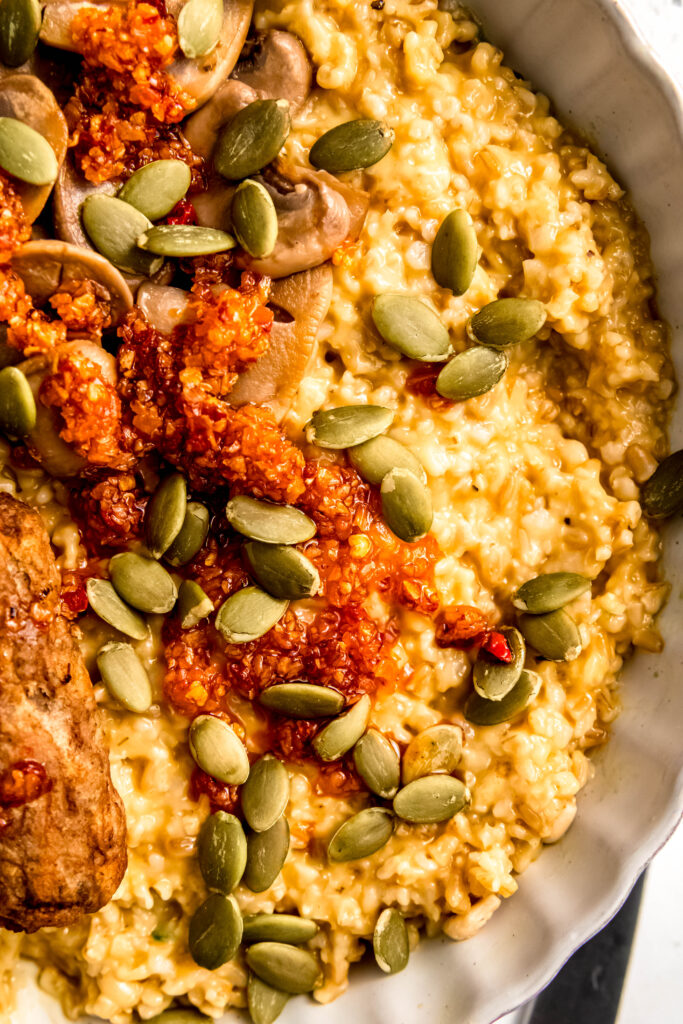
x: 62, y: 824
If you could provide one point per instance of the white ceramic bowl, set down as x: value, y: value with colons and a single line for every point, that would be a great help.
x: 589, y: 57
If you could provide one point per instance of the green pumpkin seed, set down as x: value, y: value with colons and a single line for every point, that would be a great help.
x: 362, y: 835
x: 125, y: 676
x: 165, y: 514
x: 411, y: 327
x: 278, y: 928
x: 266, y: 853
x: 265, y: 1003
x: 554, y: 635
x: 251, y: 139
x: 285, y: 967
x: 302, y: 700
x: 265, y: 793
x: 406, y: 504
x: 180, y: 1016
x: 378, y: 764
x: 480, y: 711
x: 218, y: 750
x: 222, y: 850
x: 437, y: 749
x: 507, y: 322
x: 268, y: 522
x: 374, y: 458
x: 495, y: 679
x: 26, y: 154
x: 351, y: 146
x: 248, y: 614
x: 662, y: 495
x: 335, y: 739
x: 199, y: 27
x: 455, y: 252
x: 282, y: 571
x: 550, y: 591
x: 114, y: 227
x: 193, y: 604
x: 254, y: 219
x: 215, y: 931
x: 192, y: 535
x: 17, y: 404
x: 390, y: 941
x: 471, y: 373
x: 184, y: 240
x: 107, y: 604
x: 157, y: 187
x: 143, y: 583
x: 20, y: 22
x: 431, y: 799
x: 348, y: 425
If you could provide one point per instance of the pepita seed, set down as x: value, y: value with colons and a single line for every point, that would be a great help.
x: 20, y: 22
x: 471, y: 373
x: 266, y: 853
x: 158, y: 186
x: 437, y: 749
x: 222, y: 851
x: 125, y: 676
x: 662, y: 495
x: 411, y: 327
x: 184, y: 240
x: 351, y: 146
x: 362, y: 835
x: 180, y: 1016
x: 114, y: 227
x: 507, y: 322
x: 215, y: 931
x: 199, y: 27
x: 285, y: 967
x: 347, y: 425
x: 265, y: 1003
x: 165, y: 514
x: 480, y: 711
x: 17, y: 404
x: 302, y: 700
x: 494, y: 679
x: 192, y: 535
x: 218, y: 750
x: 107, y: 604
x: 374, y: 458
x: 143, y: 583
x: 550, y: 591
x: 248, y: 614
x: 282, y: 571
x: 554, y: 636
x: 378, y: 764
x: 455, y: 252
x: 251, y: 139
x: 431, y: 799
x: 265, y: 793
x: 390, y: 941
x: 335, y: 739
x: 193, y: 604
x: 268, y: 522
x: 254, y: 219
x: 406, y: 504
x: 278, y: 928
x: 26, y: 154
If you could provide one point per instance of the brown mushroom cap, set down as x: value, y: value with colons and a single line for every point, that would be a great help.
x: 277, y: 67
x: 25, y: 98
x: 46, y: 265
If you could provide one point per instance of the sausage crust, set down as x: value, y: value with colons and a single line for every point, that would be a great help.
x: 63, y: 854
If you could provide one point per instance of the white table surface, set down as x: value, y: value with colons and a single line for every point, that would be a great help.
x: 653, y: 990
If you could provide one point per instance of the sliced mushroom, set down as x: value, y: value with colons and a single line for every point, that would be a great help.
x: 163, y: 306
x: 25, y: 98
x: 277, y: 67
x: 44, y: 266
